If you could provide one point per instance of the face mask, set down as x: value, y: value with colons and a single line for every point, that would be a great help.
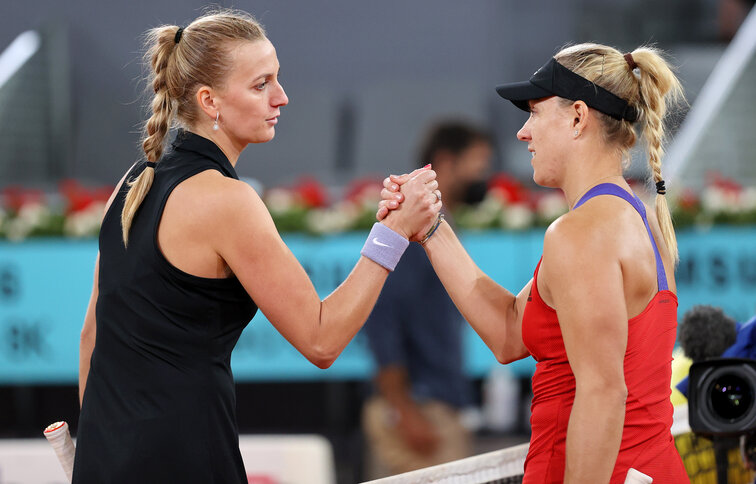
x: 475, y: 192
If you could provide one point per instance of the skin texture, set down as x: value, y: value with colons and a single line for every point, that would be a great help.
x: 600, y: 252
x: 214, y: 226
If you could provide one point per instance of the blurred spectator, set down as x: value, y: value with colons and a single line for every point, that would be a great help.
x: 415, y: 331
x: 732, y: 13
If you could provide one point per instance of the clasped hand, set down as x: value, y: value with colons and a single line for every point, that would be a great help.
x: 410, y: 203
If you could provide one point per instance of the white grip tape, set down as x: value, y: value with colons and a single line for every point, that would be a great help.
x: 60, y: 439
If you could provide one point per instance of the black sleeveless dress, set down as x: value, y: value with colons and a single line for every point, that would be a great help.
x: 159, y: 405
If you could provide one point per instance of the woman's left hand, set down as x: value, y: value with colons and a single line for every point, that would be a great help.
x: 391, y: 195
x: 420, y: 207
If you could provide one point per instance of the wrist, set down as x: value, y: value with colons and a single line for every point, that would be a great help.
x: 384, y: 246
x: 391, y: 223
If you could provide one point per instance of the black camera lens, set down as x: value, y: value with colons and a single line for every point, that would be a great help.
x: 731, y: 397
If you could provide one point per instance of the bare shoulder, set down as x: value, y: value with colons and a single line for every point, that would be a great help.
x: 213, y: 197
x: 587, y: 235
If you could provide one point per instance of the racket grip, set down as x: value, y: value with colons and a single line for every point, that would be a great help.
x: 60, y: 438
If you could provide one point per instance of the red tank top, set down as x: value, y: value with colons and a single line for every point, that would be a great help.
x: 647, y: 443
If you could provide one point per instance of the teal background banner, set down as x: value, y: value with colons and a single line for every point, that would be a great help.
x: 45, y: 286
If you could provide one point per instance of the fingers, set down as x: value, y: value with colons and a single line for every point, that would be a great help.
x: 390, y: 185
x: 424, y: 176
x: 387, y: 195
x: 402, y: 179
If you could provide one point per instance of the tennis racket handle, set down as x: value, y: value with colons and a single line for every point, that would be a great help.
x: 60, y: 439
x: 637, y: 477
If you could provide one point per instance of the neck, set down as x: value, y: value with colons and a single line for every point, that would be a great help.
x: 222, y: 140
x: 585, y: 174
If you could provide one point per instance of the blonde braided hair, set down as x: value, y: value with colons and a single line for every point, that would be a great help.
x: 179, y: 63
x: 651, y: 92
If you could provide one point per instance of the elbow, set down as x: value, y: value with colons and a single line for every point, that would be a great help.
x: 611, y: 392
x: 322, y: 357
x: 87, y: 335
x: 502, y: 356
x: 505, y: 354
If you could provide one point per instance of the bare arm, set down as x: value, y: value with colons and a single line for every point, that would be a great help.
x: 88, y: 334
x: 492, y: 311
x: 584, y: 279
x: 250, y: 244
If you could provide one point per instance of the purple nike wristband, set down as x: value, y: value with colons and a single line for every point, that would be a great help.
x: 384, y: 246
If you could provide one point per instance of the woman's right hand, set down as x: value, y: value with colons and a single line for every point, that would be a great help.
x: 391, y: 196
x: 420, y: 207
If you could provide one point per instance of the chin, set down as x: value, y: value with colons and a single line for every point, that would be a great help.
x: 543, y: 181
x: 264, y: 138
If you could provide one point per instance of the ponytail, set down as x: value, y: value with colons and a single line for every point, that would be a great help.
x: 157, y: 126
x: 658, y: 88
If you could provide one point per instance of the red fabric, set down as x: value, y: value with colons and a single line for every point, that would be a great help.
x: 647, y: 443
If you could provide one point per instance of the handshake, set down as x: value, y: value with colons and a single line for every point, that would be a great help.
x: 410, y: 204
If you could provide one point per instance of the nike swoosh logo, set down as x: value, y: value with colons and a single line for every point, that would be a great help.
x: 376, y: 242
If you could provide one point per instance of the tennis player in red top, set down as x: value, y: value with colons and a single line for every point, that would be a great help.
x: 600, y: 314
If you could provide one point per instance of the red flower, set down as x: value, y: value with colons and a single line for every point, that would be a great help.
x: 689, y: 200
x: 16, y: 197
x: 79, y: 198
x: 311, y: 192
x: 363, y: 188
x: 508, y: 188
x: 723, y: 183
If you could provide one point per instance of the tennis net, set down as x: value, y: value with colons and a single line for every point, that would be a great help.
x: 506, y: 466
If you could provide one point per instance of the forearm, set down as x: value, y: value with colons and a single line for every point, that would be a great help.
x: 88, y: 333
x: 346, y: 309
x: 86, y: 345
x: 489, y: 308
x: 393, y: 385
x: 594, y: 434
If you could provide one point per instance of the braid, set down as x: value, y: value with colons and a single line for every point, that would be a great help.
x: 658, y: 86
x: 157, y: 126
x: 178, y: 64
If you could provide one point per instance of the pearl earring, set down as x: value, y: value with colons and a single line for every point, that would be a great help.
x: 217, y: 116
x: 576, y: 133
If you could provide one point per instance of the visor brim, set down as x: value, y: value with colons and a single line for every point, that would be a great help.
x: 522, y: 92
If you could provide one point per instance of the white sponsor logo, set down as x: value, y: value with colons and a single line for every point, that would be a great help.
x: 376, y: 242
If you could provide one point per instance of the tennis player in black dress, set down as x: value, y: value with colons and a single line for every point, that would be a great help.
x: 187, y: 255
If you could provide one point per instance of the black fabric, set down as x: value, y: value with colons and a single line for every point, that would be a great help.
x: 159, y: 404
x: 553, y: 79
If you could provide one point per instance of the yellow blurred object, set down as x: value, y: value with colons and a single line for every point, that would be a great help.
x: 698, y: 457
x: 680, y: 368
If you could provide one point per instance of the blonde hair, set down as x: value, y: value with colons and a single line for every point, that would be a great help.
x: 652, y: 91
x: 179, y: 63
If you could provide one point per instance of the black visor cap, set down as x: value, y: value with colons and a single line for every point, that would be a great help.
x: 553, y: 79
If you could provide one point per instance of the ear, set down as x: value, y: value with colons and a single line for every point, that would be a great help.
x: 206, y: 100
x: 580, y: 116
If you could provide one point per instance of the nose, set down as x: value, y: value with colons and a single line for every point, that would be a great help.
x: 280, y: 98
x: 524, y: 133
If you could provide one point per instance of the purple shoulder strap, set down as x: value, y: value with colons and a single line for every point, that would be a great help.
x: 617, y: 191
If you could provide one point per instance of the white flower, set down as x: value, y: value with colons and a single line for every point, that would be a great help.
x: 331, y: 220
x: 551, y: 206
x: 34, y: 214
x: 84, y: 223
x: 517, y: 217
x: 715, y: 200
x: 748, y: 199
x: 279, y: 200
